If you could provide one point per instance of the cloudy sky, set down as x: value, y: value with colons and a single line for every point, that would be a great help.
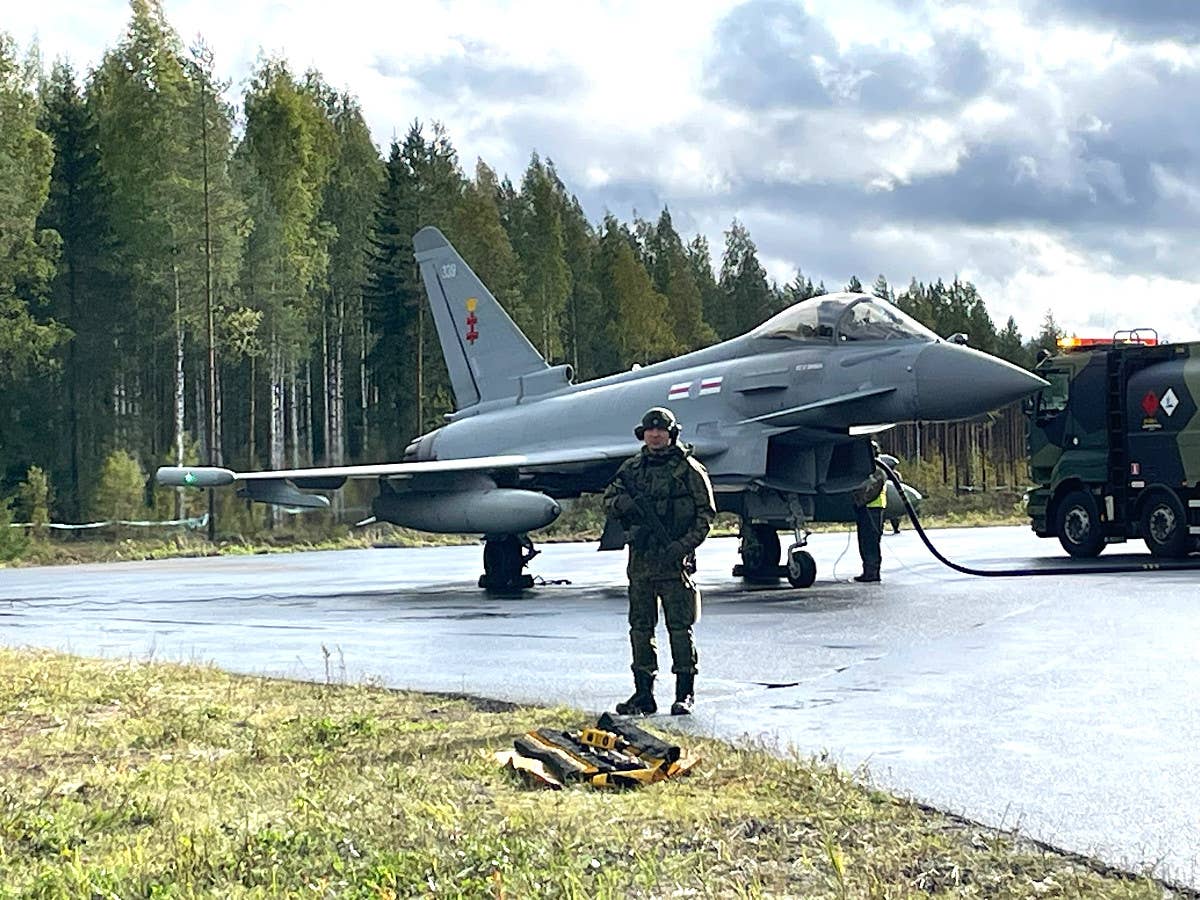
x: 1047, y: 150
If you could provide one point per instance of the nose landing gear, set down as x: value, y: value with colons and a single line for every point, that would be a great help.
x: 801, y: 567
x: 760, y: 550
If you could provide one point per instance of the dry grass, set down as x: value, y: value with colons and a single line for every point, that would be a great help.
x: 127, y: 779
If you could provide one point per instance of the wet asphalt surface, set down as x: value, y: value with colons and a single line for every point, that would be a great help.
x: 1062, y: 707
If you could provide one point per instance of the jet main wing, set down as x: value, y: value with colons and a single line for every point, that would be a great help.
x: 333, y: 477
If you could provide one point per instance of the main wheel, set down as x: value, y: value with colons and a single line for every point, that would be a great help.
x: 802, y: 568
x: 1164, y: 524
x: 760, y: 550
x: 1079, y: 530
x: 501, y: 563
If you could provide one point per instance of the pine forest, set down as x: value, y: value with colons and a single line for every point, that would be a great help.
x: 183, y: 279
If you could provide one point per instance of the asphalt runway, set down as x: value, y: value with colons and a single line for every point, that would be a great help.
x: 1062, y: 707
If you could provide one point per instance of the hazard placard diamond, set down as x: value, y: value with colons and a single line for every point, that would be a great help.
x: 1169, y: 401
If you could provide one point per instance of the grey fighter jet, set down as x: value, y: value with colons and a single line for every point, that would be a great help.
x: 776, y: 415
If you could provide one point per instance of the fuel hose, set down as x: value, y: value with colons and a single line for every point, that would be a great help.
x: 1081, y: 569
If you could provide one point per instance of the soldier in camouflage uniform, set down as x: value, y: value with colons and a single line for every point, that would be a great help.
x: 664, y: 501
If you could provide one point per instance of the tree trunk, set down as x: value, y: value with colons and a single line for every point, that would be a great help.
x: 326, y: 424
x: 294, y: 414
x: 363, y: 384
x: 307, y: 418
x: 276, y: 432
x: 199, y: 411
x: 178, y: 388
x: 337, y: 406
x: 253, y: 460
x: 420, y: 371
x: 213, y: 455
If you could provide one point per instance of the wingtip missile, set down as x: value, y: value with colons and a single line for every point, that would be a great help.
x: 194, y: 476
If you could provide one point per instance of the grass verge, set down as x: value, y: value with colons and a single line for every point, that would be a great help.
x: 128, y: 779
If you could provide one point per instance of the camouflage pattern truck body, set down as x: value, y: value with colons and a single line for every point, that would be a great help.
x: 1114, y: 448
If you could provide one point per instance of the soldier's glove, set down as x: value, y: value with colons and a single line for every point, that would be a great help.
x: 675, y: 551
x: 623, y: 504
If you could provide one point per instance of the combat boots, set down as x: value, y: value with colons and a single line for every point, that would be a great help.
x: 870, y: 574
x: 685, y: 689
x: 642, y: 702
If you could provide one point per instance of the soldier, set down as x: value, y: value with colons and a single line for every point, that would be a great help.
x: 870, y: 498
x: 664, y: 501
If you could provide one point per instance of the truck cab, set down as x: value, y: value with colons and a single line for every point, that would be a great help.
x: 1114, y: 445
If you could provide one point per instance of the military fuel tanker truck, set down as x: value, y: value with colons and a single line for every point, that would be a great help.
x: 1114, y: 445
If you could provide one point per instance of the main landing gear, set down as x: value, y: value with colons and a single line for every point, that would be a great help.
x: 760, y: 551
x: 504, y: 557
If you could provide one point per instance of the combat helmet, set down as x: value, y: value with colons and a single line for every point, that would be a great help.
x: 658, y: 417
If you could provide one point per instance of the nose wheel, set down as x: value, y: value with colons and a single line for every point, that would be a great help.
x: 801, y: 567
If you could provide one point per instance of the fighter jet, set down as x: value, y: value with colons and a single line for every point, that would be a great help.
x: 777, y: 415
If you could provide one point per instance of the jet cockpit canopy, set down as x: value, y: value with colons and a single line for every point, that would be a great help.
x: 834, y: 318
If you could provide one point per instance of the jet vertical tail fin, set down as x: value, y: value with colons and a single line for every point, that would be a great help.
x: 486, y: 353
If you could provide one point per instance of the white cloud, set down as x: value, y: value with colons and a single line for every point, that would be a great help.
x: 1063, y: 177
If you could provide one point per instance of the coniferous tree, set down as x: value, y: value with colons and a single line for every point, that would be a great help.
x: 220, y: 214
x: 854, y: 286
x: 674, y: 279
x: 747, y: 297
x: 1047, y: 339
x: 1009, y: 345
x: 424, y: 186
x: 543, y: 262
x: 700, y: 262
x: 287, y: 154
x: 798, y: 289
x: 915, y: 302
x: 882, y: 289
x: 439, y: 185
x: 637, y: 331
x: 142, y: 95
x: 27, y: 252
x: 348, y: 206
x: 392, y: 304
x: 485, y: 245
x: 82, y: 294
x: 580, y: 325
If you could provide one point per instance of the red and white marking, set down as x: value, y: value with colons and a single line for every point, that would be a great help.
x: 679, y: 391
x: 711, y: 385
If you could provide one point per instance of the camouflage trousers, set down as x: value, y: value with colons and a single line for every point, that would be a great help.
x: 679, y: 602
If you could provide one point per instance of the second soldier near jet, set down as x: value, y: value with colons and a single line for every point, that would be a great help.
x: 664, y: 501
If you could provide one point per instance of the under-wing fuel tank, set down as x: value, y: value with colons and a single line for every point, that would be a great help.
x: 493, y: 511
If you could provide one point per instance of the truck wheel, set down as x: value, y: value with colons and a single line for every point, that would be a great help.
x: 1079, y: 529
x: 1164, y: 524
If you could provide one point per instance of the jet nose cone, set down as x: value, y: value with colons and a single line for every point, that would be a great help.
x: 956, y: 382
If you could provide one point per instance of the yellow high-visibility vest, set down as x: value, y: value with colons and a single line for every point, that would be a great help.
x: 879, y: 502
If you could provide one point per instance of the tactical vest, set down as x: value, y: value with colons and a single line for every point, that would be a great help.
x: 665, y: 484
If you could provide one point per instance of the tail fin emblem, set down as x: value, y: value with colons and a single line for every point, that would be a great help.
x: 472, y: 335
